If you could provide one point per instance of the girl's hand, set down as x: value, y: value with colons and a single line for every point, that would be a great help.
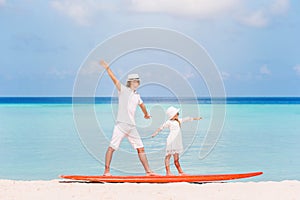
x: 153, y: 135
x: 197, y: 118
x: 104, y: 64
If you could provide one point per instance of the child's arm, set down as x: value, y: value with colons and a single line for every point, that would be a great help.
x: 165, y: 125
x: 197, y: 118
x: 156, y: 132
x: 146, y: 115
x: 186, y: 119
x: 111, y: 74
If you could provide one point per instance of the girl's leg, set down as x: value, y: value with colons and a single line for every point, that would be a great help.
x: 167, y: 164
x: 177, y: 164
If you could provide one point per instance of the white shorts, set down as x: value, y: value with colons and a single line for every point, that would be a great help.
x: 122, y: 130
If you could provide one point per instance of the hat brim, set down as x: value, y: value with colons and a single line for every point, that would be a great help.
x: 177, y: 110
x: 134, y: 79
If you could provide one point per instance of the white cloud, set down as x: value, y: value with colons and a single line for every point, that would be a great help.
x: 262, y: 16
x: 189, y: 74
x: 280, y: 6
x: 83, y: 12
x: 256, y: 19
x: 297, y: 69
x: 190, y: 8
x: 75, y: 9
x: 2, y: 2
x: 259, y: 17
x: 61, y: 73
x: 225, y: 75
x: 92, y: 68
x: 265, y: 70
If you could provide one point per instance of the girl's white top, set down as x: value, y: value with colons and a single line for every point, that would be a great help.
x: 174, y: 140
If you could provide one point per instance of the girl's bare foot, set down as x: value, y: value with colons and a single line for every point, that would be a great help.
x: 183, y: 174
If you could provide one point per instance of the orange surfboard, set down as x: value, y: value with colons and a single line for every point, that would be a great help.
x: 160, y: 179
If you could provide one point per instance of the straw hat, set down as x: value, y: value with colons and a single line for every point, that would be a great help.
x: 171, y: 112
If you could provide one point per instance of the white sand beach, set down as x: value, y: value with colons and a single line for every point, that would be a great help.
x: 56, y: 189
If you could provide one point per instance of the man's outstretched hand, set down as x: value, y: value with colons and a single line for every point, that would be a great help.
x: 111, y: 74
x: 104, y: 64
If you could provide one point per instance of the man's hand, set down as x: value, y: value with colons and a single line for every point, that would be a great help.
x: 147, y: 116
x: 104, y: 64
x: 111, y: 74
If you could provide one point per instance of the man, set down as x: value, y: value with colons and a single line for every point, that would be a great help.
x: 125, y: 125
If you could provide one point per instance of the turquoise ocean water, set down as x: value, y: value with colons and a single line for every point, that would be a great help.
x: 39, y: 139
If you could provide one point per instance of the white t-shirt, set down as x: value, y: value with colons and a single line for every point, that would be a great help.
x: 128, y: 101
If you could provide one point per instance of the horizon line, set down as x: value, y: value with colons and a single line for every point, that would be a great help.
x: 149, y: 97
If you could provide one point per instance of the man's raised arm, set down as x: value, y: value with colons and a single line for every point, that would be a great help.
x: 111, y: 74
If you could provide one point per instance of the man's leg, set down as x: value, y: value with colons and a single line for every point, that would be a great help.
x: 136, y: 142
x: 108, y: 157
x: 144, y: 161
x: 116, y: 139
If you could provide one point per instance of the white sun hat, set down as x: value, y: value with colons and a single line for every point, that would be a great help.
x: 171, y: 112
x: 132, y: 77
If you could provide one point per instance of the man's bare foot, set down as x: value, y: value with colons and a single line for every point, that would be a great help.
x: 107, y: 174
x: 182, y: 174
x: 151, y: 174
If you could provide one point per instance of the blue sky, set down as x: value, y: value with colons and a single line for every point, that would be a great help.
x: 255, y: 44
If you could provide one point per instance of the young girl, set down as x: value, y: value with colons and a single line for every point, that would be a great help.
x: 174, y: 141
